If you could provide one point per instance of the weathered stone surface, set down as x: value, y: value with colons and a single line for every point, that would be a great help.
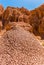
x: 19, y: 47
x: 1, y: 11
x: 10, y: 14
x: 33, y: 17
x: 20, y: 18
x: 24, y: 11
x: 22, y: 24
x: 41, y: 26
x: 25, y: 26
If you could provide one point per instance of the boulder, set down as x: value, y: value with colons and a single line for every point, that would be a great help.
x: 19, y: 47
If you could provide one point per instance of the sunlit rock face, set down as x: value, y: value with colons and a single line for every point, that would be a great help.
x: 1, y: 11
x: 34, y: 17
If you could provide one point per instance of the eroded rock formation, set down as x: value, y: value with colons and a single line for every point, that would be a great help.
x: 34, y: 17
x: 1, y: 11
